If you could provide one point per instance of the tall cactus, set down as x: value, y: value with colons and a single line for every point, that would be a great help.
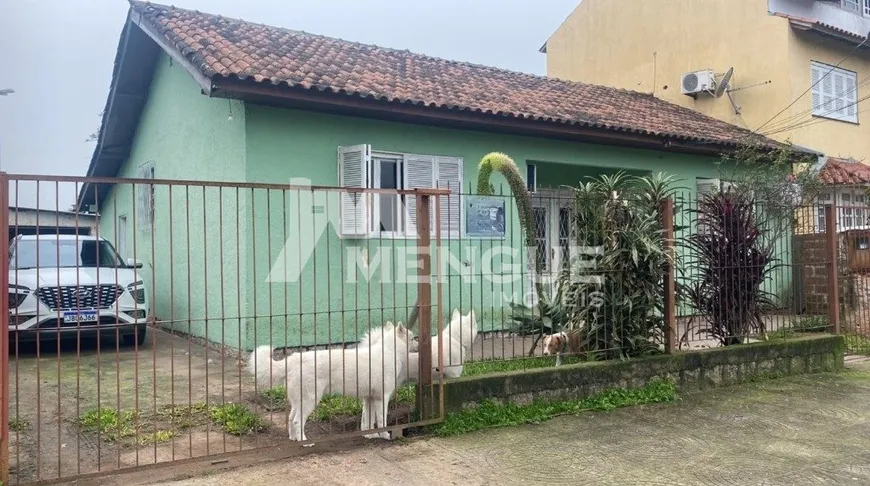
x: 499, y: 162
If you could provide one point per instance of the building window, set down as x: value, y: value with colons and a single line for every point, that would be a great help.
x: 852, y: 211
x: 145, y: 199
x: 835, y: 93
x: 388, y: 215
x: 531, y: 177
x: 851, y: 5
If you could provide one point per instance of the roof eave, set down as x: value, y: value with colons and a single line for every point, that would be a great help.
x: 317, y: 100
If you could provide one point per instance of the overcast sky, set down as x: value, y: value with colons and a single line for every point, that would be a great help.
x: 57, y: 55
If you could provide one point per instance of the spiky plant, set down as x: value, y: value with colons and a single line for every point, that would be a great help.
x: 528, y: 322
x: 733, y: 258
x: 617, y: 299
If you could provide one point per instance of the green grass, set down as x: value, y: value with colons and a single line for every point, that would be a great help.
x: 332, y: 406
x: 236, y: 419
x: 489, y: 366
x: 274, y: 398
x: 183, y: 416
x: 156, y: 437
x: 491, y: 413
x: 857, y: 344
x: 18, y: 425
x: 811, y: 324
x: 111, y: 424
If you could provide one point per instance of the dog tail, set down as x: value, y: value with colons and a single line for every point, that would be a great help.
x: 267, y: 371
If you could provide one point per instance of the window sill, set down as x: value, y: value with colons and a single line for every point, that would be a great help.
x: 831, y: 118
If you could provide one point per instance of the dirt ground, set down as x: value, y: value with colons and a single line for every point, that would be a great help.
x: 811, y: 429
x: 169, y: 383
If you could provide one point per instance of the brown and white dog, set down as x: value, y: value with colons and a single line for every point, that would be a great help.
x: 565, y: 342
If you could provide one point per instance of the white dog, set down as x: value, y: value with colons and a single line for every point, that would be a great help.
x: 370, y: 373
x: 456, y: 340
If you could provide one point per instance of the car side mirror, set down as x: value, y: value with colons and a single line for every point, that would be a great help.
x: 132, y: 262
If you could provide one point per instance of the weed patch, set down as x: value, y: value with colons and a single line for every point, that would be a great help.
x: 18, y: 424
x: 491, y: 413
x: 857, y: 344
x: 156, y: 437
x: 236, y: 419
x: 111, y: 424
x: 274, y: 398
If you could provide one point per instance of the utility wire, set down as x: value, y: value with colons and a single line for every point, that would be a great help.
x: 814, y: 84
x: 776, y: 126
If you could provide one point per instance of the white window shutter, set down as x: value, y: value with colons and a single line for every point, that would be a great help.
x: 839, y: 92
x: 353, y: 168
x: 851, y: 98
x: 449, y: 176
x: 827, y: 93
x: 419, y: 174
x: 817, y: 89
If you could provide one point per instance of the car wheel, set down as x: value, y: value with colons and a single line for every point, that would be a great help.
x: 137, y: 338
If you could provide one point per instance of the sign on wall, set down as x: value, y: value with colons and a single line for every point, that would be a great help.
x: 485, y: 217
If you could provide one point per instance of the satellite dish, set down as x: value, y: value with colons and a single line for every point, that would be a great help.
x: 722, y: 85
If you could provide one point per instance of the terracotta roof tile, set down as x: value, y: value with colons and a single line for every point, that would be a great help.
x: 844, y: 172
x: 223, y: 47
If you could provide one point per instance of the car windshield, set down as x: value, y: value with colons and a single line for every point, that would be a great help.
x: 45, y: 253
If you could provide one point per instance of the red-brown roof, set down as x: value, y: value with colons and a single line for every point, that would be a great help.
x: 230, y: 49
x: 842, y: 172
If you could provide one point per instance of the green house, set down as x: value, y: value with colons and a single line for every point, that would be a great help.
x: 201, y: 97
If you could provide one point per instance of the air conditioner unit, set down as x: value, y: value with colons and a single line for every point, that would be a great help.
x: 698, y: 82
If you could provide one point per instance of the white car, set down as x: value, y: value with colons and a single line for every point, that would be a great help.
x: 68, y: 284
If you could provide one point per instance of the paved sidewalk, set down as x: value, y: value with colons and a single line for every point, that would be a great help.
x: 807, y: 430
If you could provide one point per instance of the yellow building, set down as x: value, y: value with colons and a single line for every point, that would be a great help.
x: 801, y: 68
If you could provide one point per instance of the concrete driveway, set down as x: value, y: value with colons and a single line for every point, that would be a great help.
x: 806, y: 430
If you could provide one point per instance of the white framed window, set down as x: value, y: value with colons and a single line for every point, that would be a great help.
x: 851, y: 5
x: 835, y: 92
x: 852, y: 209
x: 145, y: 198
x: 121, y: 244
x: 866, y: 10
x: 395, y: 216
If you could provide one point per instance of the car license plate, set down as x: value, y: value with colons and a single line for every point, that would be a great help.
x: 77, y: 317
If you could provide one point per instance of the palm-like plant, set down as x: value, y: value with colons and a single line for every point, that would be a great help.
x: 619, y: 302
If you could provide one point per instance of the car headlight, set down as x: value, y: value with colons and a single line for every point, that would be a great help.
x: 137, y: 291
x: 17, y: 294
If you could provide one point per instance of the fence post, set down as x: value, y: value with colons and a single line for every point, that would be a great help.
x: 4, y: 328
x: 833, y: 250
x: 424, y: 299
x: 666, y: 212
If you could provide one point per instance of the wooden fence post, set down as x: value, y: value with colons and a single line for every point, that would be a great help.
x: 424, y: 304
x: 832, y: 246
x: 666, y: 212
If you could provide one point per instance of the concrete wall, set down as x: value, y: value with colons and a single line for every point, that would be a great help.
x: 692, y: 370
x: 283, y: 144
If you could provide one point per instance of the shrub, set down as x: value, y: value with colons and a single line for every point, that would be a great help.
x: 617, y: 298
x: 733, y: 259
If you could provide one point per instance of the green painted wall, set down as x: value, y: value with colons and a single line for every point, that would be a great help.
x: 282, y: 144
x: 191, y: 256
